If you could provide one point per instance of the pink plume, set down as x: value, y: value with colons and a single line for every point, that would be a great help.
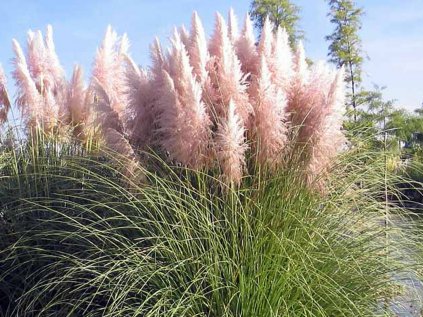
x: 183, y: 121
x: 300, y: 65
x: 266, y: 40
x: 53, y: 64
x: 231, y: 147
x: 227, y: 79
x: 283, y: 60
x: 269, y: 121
x: 28, y: 98
x: 37, y: 62
x: 111, y: 129
x: 199, y: 55
x: 185, y: 37
x: 76, y: 100
x: 220, y: 37
x: 159, y: 64
x: 232, y: 26
x: 330, y: 135
x: 246, y: 49
x: 109, y: 69
x: 4, y: 97
x: 140, y: 101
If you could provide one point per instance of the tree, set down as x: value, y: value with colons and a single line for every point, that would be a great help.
x: 345, y: 48
x: 282, y: 13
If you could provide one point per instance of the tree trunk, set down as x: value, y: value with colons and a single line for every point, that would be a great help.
x: 353, y: 91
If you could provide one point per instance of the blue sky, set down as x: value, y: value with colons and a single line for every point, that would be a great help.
x: 392, y: 32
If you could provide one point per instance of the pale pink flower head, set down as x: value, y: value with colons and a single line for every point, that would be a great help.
x: 329, y: 137
x: 197, y: 49
x: 266, y: 40
x: 44, y: 65
x: 159, y: 64
x: 220, y: 38
x: 54, y: 68
x: 283, y: 60
x: 300, y: 65
x: 246, y: 49
x: 226, y: 76
x: 140, y: 105
x: 317, y: 113
x: 231, y: 147
x: 37, y: 61
x: 185, y: 36
x: 232, y: 26
x: 109, y: 69
x: 28, y: 99
x: 76, y: 101
x: 270, y: 131
x: 111, y: 129
x: 183, y: 121
x: 4, y: 97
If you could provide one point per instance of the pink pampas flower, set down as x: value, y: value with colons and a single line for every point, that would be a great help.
x: 246, y: 49
x: 4, y: 97
x: 231, y: 147
x: 28, y: 99
x: 282, y: 60
x: 270, y: 130
x: 227, y: 80
x: 76, y: 103
x: 141, y: 98
x: 109, y: 69
x: 183, y: 122
x: 232, y: 26
x: 197, y: 49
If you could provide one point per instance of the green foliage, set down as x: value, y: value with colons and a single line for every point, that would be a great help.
x: 78, y: 238
x: 282, y: 13
x: 345, y: 44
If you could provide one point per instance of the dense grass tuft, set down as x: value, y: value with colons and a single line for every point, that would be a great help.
x: 79, y: 238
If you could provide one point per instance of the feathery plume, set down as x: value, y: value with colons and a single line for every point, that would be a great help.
x: 109, y: 70
x: 300, y: 64
x: 232, y: 26
x: 266, y: 40
x: 330, y: 137
x: 111, y: 129
x: 185, y: 37
x: 53, y: 66
x: 269, y: 121
x: 140, y: 102
x: 37, y: 65
x: 197, y: 49
x: 283, y: 60
x: 159, y: 64
x: 123, y: 45
x: 4, y: 97
x: 28, y: 99
x: 246, y: 49
x: 227, y: 79
x: 231, y: 147
x: 76, y: 101
x: 43, y: 70
x: 183, y: 120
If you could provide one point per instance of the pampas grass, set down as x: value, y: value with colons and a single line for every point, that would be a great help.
x: 209, y: 184
x: 180, y: 105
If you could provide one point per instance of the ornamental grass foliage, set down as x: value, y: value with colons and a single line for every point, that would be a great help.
x: 209, y: 184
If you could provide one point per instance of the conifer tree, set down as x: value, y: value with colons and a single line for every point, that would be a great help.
x: 282, y: 13
x: 345, y: 44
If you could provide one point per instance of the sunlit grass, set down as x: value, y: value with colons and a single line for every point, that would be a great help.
x: 82, y: 238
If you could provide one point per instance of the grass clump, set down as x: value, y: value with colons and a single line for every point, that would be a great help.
x: 79, y: 238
